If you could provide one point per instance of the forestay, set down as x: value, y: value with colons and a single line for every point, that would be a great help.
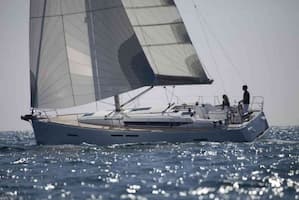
x: 86, y: 50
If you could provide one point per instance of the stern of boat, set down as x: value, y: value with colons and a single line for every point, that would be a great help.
x: 255, y: 128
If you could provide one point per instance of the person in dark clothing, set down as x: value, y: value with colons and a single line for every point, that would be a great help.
x: 246, y: 99
x: 225, y: 102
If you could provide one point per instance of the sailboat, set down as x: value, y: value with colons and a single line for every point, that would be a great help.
x: 84, y: 51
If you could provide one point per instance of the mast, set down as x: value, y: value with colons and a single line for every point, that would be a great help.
x: 117, y: 103
x: 73, y: 62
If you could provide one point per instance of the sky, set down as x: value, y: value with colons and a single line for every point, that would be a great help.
x: 239, y: 42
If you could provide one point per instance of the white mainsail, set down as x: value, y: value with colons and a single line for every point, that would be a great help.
x: 165, y: 41
x: 86, y: 50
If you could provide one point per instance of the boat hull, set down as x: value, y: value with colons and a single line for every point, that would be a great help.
x: 52, y: 133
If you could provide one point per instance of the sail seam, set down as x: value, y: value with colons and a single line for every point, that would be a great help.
x: 165, y: 44
x: 75, y: 13
x: 146, y: 7
x: 159, y: 24
x: 66, y: 52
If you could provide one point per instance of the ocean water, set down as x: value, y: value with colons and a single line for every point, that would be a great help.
x: 265, y: 169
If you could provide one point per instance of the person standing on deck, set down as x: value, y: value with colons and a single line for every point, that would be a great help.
x: 246, y: 99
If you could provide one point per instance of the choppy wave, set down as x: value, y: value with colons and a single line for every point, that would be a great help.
x: 265, y: 169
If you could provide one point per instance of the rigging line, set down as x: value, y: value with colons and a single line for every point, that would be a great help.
x: 170, y: 92
x: 133, y: 102
x: 177, y: 97
x: 263, y: 49
x: 236, y: 69
x: 127, y: 93
x: 210, y: 48
x: 166, y: 95
x: 137, y: 96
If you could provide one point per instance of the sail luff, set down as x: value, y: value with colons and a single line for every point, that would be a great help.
x: 34, y: 96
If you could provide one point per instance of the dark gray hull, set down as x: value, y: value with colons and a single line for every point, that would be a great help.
x: 51, y: 133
